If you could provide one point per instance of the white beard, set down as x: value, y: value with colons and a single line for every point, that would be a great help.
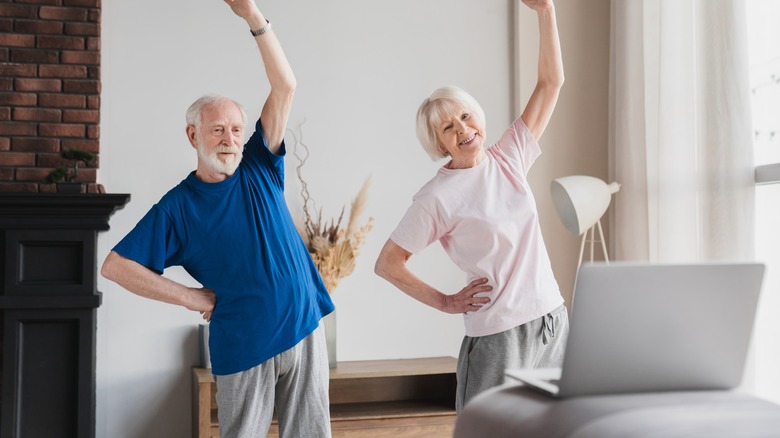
x: 214, y: 163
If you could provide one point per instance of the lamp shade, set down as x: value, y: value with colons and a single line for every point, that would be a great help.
x: 581, y: 200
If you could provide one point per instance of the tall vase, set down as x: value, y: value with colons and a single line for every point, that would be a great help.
x: 329, y: 323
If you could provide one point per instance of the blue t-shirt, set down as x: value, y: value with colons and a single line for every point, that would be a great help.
x: 237, y: 238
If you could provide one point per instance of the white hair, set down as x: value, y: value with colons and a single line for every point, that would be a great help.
x: 195, y: 111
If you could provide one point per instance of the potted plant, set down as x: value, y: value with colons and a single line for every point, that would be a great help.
x: 64, y: 177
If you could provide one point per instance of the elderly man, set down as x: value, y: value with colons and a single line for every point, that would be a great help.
x: 228, y: 225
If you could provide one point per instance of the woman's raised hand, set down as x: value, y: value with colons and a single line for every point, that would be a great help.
x: 539, y: 5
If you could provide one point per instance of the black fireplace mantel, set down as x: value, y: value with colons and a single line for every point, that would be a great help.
x: 48, y: 307
x: 58, y: 211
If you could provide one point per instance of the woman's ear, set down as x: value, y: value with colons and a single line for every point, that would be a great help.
x: 442, y: 149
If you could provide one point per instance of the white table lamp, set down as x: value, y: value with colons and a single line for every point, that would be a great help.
x: 580, y: 202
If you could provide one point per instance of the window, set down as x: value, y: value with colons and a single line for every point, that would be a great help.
x: 764, y: 52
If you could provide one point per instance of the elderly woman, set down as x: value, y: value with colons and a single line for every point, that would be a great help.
x: 480, y: 207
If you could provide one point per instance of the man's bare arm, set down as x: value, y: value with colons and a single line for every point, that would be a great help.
x: 142, y: 281
x: 276, y: 110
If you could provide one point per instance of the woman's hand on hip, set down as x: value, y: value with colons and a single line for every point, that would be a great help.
x: 466, y: 300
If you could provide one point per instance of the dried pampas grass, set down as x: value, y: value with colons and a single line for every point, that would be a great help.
x: 332, y: 247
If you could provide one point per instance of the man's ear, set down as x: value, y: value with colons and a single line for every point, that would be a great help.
x: 191, y: 134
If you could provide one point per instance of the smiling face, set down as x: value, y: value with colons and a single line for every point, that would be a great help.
x: 461, y: 135
x: 219, y: 140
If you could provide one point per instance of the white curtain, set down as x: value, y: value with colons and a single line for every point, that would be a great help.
x: 680, y: 131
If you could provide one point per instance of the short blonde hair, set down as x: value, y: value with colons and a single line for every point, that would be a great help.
x: 442, y: 103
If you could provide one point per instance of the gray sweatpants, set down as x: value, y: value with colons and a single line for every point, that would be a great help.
x: 536, y: 344
x: 295, y: 382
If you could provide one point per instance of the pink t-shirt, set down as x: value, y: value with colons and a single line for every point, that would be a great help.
x: 486, y: 220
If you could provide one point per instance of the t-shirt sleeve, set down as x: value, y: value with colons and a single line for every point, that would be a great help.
x: 152, y: 242
x: 417, y: 230
x: 258, y: 157
x: 518, y: 144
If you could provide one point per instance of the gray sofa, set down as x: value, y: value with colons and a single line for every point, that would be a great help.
x: 517, y: 411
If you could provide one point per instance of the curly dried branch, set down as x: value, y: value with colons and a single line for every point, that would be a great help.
x: 298, y: 140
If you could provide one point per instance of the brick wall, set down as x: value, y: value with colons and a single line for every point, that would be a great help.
x: 49, y: 89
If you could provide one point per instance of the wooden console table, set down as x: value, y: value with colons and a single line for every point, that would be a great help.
x: 398, y: 398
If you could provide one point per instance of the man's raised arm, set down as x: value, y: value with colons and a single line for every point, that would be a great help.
x: 276, y: 109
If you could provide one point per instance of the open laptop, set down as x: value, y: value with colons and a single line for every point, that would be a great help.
x: 641, y: 328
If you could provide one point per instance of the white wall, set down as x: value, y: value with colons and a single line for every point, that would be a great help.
x: 362, y: 69
x: 764, y: 40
